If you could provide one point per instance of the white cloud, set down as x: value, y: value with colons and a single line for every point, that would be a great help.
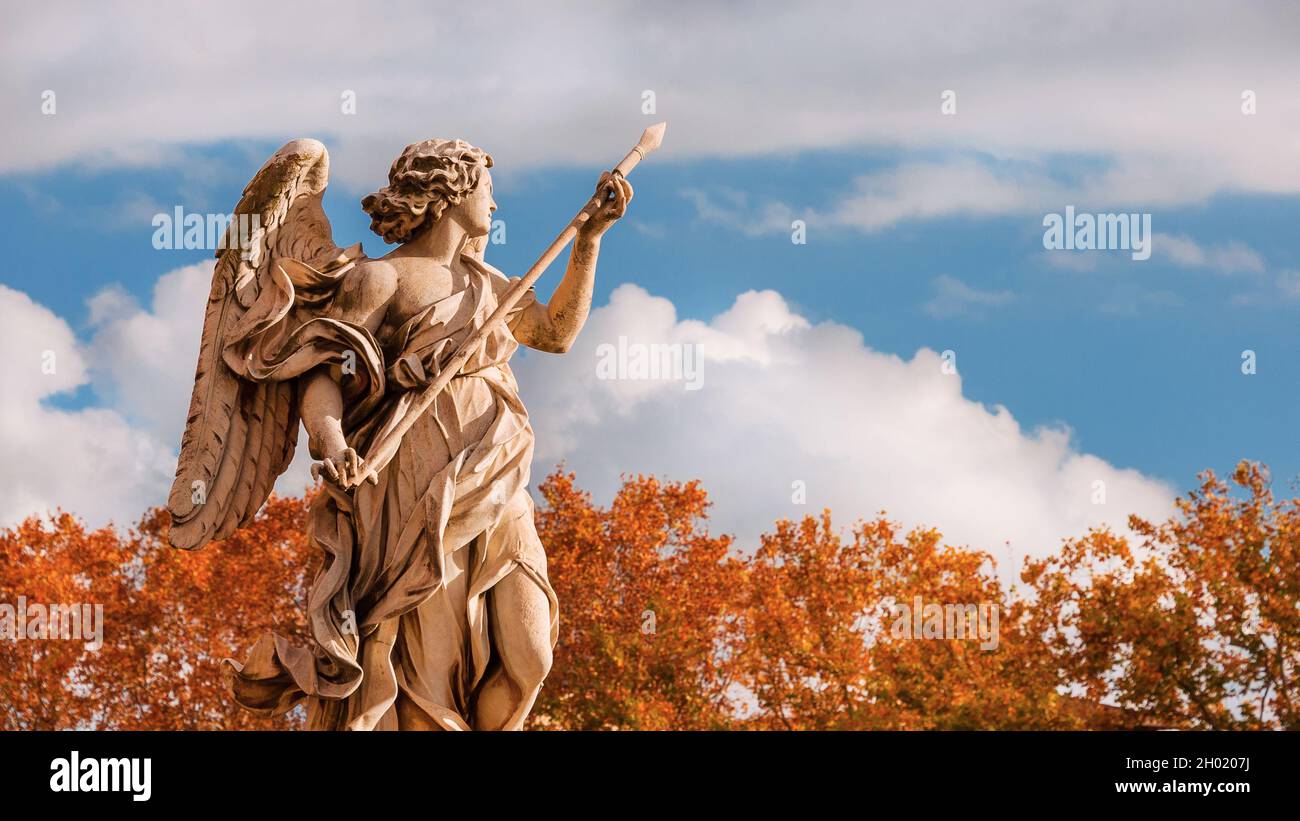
x: 1227, y: 258
x: 960, y: 187
x: 91, y: 462
x: 116, y: 457
x: 142, y: 359
x: 1288, y: 284
x: 1156, y: 94
x: 733, y: 209
x: 969, y: 186
x: 952, y: 297
x: 784, y: 400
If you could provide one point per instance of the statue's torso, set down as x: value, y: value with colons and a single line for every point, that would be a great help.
x: 419, y: 284
x: 408, y: 300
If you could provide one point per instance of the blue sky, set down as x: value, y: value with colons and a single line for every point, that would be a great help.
x: 1140, y: 359
x: 924, y: 234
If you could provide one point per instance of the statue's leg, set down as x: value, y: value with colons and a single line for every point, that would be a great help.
x: 519, y: 614
x: 430, y: 653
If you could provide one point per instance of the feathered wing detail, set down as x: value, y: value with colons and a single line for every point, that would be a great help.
x: 242, y: 429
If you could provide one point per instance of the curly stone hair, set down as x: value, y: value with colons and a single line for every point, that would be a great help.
x: 424, y: 180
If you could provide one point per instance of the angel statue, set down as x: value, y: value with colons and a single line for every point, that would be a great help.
x: 432, y: 607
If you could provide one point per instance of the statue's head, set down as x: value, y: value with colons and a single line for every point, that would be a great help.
x: 433, y: 180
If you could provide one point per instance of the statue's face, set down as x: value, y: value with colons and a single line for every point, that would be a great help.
x: 474, y: 213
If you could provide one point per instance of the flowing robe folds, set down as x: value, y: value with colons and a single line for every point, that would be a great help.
x: 400, y: 602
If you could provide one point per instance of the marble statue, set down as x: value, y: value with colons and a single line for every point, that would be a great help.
x: 432, y: 608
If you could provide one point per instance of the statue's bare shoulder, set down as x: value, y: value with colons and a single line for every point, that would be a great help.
x: 384, y: 293
x: 366, y: 293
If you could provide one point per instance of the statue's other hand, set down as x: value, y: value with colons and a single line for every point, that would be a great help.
x: 344, y: 468
x: 614, y: 193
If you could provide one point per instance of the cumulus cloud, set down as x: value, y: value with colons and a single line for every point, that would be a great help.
x: 114, y: 456
x: 781, y: 401
x: 90, y: 461
x: 785, y: 401
x: 142, y: 358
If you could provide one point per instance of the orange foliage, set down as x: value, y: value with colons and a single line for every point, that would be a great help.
x: 1198, y: 626
x: 169, y: 618
x: 648, y: 604
x: 664, y: 626
x: 822, y: 652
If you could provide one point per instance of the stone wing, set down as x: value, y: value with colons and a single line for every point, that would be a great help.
x: 241, y: 431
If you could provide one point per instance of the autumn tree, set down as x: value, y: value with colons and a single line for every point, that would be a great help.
x: 208, y: 605
x: 823, y: 649
x: 648, y: 609
x: 53, y: 684
x: 665, y: 626
x: 1195, y: 626
x: 169, y: 619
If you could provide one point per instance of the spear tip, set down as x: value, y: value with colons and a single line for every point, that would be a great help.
x: 652, y: 137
